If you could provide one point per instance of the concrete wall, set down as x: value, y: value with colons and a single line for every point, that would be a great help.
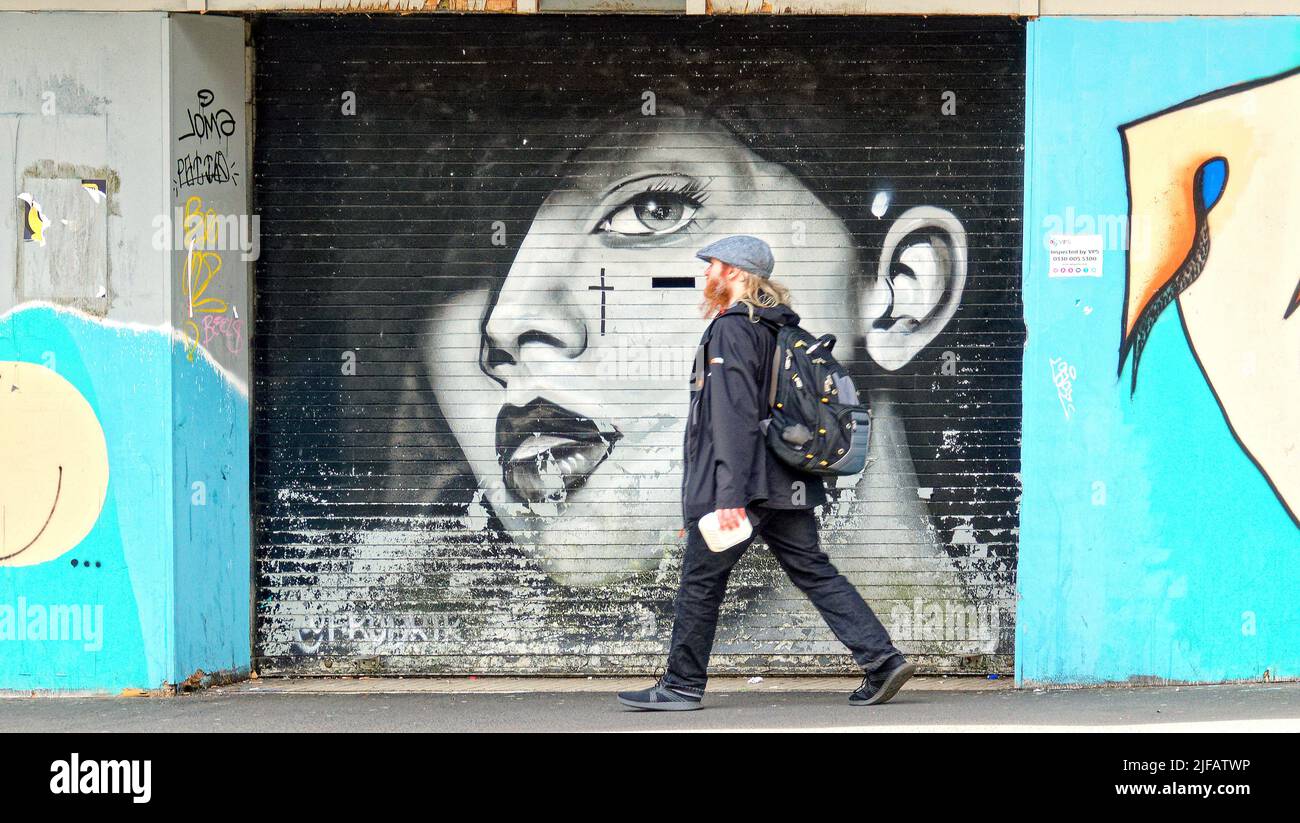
x: 1159, y: 536
x: 98, y: 583
x: 210, y: 305
x: 1161, y: 467
x: 1024, y: 8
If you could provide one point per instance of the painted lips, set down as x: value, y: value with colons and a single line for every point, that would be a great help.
x: 547, y: 452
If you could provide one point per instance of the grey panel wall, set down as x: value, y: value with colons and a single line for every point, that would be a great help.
x: 208, y: 171
x: 67, y: 114
x: 473, y: 226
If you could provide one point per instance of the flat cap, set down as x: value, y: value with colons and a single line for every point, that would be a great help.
x: 741, y: 251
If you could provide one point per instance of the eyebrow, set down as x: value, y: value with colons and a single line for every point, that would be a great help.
x: 618, y: 184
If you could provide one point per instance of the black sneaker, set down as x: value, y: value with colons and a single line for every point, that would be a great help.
x: 664, y: 698
x: 882, y: 684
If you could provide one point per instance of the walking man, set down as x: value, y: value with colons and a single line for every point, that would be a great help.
x: 728, y: 470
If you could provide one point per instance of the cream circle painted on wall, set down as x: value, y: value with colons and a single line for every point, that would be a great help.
x: 53, y: 465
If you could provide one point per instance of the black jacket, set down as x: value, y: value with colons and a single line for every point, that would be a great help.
x: 728, y: 465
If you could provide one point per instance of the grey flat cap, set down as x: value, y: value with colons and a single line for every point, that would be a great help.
x: 741, y: 251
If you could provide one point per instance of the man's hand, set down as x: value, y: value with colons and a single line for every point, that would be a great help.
x: 730, y: 518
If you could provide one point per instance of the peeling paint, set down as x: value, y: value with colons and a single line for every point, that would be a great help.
x: 58, y: 170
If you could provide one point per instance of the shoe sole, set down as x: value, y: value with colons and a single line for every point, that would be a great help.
x: 660, y: 707
x: 890, y: 687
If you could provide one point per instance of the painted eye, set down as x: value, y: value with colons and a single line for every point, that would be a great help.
x: 655, y: 211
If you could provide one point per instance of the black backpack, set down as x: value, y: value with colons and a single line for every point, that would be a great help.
x: 816, y: 423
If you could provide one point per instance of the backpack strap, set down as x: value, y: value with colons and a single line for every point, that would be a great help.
x: 775, y: 375
x: 776, y: 357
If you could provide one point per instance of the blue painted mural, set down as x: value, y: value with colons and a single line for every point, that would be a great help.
x: 1159, y: 538
x: 104, y: 583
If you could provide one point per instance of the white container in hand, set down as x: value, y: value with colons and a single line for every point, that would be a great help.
x: 719, y: 539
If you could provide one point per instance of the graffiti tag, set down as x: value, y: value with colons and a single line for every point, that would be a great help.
x: 202, y: 265
x: 207, y: 163
x: 1064, y: 375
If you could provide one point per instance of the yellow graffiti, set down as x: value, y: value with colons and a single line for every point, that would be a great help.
x: 54, y: 473
x: 202, y: 265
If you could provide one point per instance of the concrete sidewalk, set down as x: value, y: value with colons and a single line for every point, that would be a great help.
x: 733, y: 704
x: 567, y: 685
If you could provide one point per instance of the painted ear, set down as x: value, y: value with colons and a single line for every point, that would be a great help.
x: 917, y: 288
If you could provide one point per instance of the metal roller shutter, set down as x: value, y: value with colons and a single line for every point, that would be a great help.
x: 474, y: 324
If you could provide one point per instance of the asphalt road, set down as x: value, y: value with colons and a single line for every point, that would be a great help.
x: 1252, y: 707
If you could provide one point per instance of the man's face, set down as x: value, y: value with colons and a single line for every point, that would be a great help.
x: 719, y: 279
x: 566, y: 387
x: 715, y: 273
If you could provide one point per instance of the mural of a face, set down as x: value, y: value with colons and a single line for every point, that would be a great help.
x: 54, y: 476
x: 581, y: 355
x: 475, y: 393
x: 1216, y: 226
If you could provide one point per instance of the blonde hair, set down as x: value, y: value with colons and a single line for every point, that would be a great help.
x: 762, y: 292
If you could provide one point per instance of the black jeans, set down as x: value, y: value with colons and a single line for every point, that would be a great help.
x: 792, y: 536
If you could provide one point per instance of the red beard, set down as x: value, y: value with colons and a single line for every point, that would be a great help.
x: 717, y: 298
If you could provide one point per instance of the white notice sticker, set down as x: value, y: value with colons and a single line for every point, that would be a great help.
x: 1074, y: 255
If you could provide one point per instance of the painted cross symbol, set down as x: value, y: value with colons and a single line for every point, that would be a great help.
x: 602, y: 288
